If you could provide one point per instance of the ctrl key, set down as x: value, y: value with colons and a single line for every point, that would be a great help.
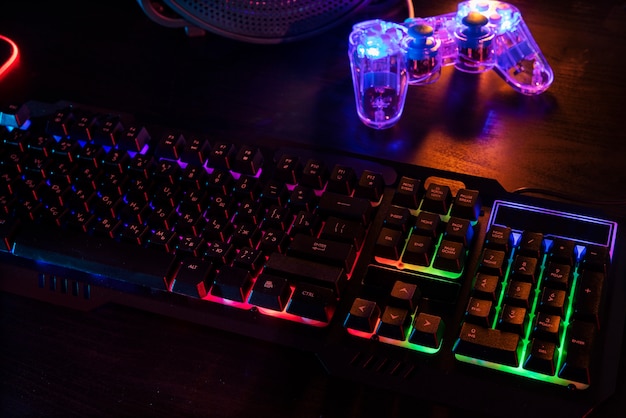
x: 312, y: 302
x: 488, y: 344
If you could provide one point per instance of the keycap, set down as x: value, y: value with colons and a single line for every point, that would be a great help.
x: 486, y: 286
x: 427, y: 224
x: 460, y: 230
x: 370, y: 186
x: 313, y: 302
x: 531, y: 244
x: 394, y: 323
x: 479, y: 312
x: 588, y: 297
x: 345, y: 207
x: 343, y: 231
x: 499, y: 238
x: 466, y: 204
x: 541, y: 357
x: 389, y: 244
x: 288, y: 169
x: 232, y: 283
x: 450, y: 256
x: 488, y: 344
x: 513, y: 319
x: 99, y: 256
x: 270, y: 292
x: 342, y: 180
x: 437, y: 199
x: 296, y: 269
x: 363, y: 315
x: 407, y: 193
x: 323, y: 251
x: 193, y: 277
x: 428, y: 330
x: 404, y: 295
x: 419, y: 250
x: 578, y: 346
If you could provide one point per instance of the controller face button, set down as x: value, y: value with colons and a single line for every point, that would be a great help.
x: 475, y: 20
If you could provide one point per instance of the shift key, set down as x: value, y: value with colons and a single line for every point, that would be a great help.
x: 99, y: 256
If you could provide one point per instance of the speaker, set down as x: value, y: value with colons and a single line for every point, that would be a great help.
x: 259, y: 21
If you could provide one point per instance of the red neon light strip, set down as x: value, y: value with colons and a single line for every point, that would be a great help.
x: 12, y: 59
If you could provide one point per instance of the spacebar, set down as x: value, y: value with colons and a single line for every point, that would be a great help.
x: 99, y: 256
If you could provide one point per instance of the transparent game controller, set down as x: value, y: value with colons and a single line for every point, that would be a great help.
x: 387, y: 57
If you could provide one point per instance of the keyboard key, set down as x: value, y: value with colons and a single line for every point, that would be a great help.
x: 488, y: 344
x: 466, y: 204
x: 450, y: 256
x: 518, y: 294
x: 588, y: 298
x: 427, y: 224
x: 595, y: 258
x: 562, y: 251
x: 296, y: 269
x: 394, y: 323
x: 513, y: 319
x: 288, y: 169
x: 499, y: 238
x: 542, y: 357
x: 531, y: 244
x: 232, y: 283
x: 322, y: 250
x: 486, y: 286
x: 459, y: 230
x: 428, y: 330
x: 547, y: 327
x: 345, y: 207
x: 389, y: 244
x: 314, y: 174
x: 313, y: 302
x: 404, y: 295
x: 370, y: 186
x: 248, y: 160
x: 578, y: 346
x: 363, y: 315
x: 193, y: 278
x: 270, y: 292
x: 407, y: 193
x: 437, y: 199
x: 342, y: 180
x: 479, y: 312
x: 343, y: 231
x: 419, y: 250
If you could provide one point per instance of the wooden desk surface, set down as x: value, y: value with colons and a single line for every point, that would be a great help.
x: 121, y: 362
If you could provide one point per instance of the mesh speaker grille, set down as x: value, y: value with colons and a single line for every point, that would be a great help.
x: 265, y: 21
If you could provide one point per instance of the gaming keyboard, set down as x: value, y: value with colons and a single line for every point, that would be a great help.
x: 433, y: 284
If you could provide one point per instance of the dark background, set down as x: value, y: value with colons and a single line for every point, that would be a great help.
x: 116, y: 361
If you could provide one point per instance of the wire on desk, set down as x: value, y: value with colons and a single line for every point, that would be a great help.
x: 564, y: 196
x: 409, y: 5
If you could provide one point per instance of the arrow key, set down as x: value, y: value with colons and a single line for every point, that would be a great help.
x: 363, y: 315
x: 404, y: 295
x: 394, y: 323
x: 427, y: 330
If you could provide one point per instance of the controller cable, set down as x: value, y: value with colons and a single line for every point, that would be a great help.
x: 564, y: 196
